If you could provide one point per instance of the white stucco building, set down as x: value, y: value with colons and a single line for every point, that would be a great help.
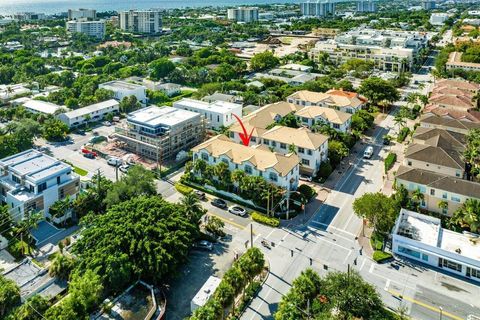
x: 90, y: 28
x: 122, y: 89
x: 281, y: 170
x: 94, y: 112
x: 422, y: 238
x: 216, y: 114
x: 33, y: 181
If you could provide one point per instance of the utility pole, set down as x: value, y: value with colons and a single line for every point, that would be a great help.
x: 116, y: 172
x: 288, y: 204
x: 98, y: 181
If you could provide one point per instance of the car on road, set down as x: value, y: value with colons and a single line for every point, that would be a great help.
x: 237, y: 210
x: 200, y: 194
x: 304, y: 177
x: 89, y: 151
x: 368, y: 153
x: 89, y: 155
x: 124, y: 168
x: 219, y: 203
x: 107, y: 123
x: 203, y: 245
x: 97, y: 139
x: 114, y: 161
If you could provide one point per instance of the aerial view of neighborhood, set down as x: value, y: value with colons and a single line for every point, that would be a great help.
x: 240, y: 160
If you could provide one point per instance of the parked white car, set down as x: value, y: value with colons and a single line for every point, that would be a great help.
x: 114, y: 161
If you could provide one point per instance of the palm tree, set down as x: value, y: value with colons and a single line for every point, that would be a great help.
x: 442, y: 205
x: 400, y: 121
x: 468, y: 215
x: 193, y: 208
x: 29, y: 222
x: 417, y: 197
x: 292, y: 149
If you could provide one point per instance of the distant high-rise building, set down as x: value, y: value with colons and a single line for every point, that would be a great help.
x: 90, y: 28
x: 317, y: 8
x: 76, y: 14
x: 141, y: 21
x: 25, y: 16
x: 428, y: 4
x: 243, y: 14
x: 366, y: 6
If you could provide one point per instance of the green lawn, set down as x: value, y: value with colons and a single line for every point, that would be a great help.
x: 80, y: 171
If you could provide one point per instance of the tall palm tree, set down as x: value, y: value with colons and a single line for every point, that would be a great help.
x: 193, y: 208
x: 442, y: 205
x: 468, y: 215
x: 30, y: 221
x: 417, y: 197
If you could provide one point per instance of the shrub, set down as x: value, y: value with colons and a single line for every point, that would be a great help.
x: 325, y: 170
x: 390, y: 161
x: 307, y: 191
x: 380, y: 256
x: 183, y: 189
x: 263, y: 219
x: 403, y: 134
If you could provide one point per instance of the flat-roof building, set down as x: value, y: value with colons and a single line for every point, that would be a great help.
x: 422, y: 238
x: 216, y: 114
x: 122, y: 89
x: 141, y: 21
x: 33, y: 181
x: 94, y: 112
x: 243, y: 14
x: 161, y: 132
x: 40, y: 106
x: 74, y: 14
x: 90, y: 28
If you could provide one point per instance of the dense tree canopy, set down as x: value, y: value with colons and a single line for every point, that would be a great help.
x: 378, y: 90
x: 143, y: 237
x: 264, y: 60
x: 377, y: 208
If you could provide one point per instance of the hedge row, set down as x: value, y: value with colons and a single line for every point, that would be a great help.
x: 380, y: 256
x: 403, y: 134
x: 390, y: 161
x: 263, y: 219
x: 183, y: 189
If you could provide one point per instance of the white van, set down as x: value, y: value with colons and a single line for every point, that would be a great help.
x: 368, y: 153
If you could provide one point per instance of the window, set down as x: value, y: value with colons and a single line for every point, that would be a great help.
x: 232, y: 135
x: 248, y: 169
x: 458, y: 174
x: 306, y: 162
x: 409, y: 252
x: 473, y: 273
x: 58, y: 180
x: 225, y: 161
x: 218, y: 118
x: 16, y: 179
x: 265, y: 141
x: 301, y: 150
x: 445, y: 195
x: 409, y: 162
x: 283, y: 146
x: 444, y: 263
x: 424, y: 257
x: 253, y: 139
x: 42, y: 187
x: 205, y: 156
x: 432, y: 192
x: 304, y: 119
x: 273, y: 176
x: 274, y: 144
x: 336, y: 126
x: 309, y: 152
x: 456, y: 199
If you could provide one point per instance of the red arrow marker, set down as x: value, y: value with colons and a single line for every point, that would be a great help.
x: 244, y: 136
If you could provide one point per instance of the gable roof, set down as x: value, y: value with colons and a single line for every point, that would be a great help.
x: 337, y: 98
x: 438, y: 181
x: 238, y: 153
x: 331, y: 115
x: 440, y: 138
x: 301, y: 137
x: 434, y: 155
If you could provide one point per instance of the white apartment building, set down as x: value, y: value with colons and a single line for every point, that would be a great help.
x: 312, y: 115
x: 311, y: 148
x: 94, y: 112
x: 422, y: 238
x: 428, y: 4
x: 455, y: 62
x: 25, y: 16
x: 366, y: 6
x: 348, y: 102
x: 319, y: 8
x: 217, y: 114
x: 122, y: 89
x: 243, y: 14
x: 141, y: 21
x: 281, y: 170
x: 161, y: 133
x: 39, y: 106
x: 90, y: 28
x: 8, y: 92
x: 33, y: 181
x: 76, y: 14
x: 438, y: 18
x: 389, y: 50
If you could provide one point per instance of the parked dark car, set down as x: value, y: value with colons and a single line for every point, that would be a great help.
x: 200, y: 194
x: 89, y: 155
x: 219, y: 203
x: 203, y: 245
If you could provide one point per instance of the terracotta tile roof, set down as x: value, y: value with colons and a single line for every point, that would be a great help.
x: 238, y: 153
x: 459, y: 84
x: 334, y: 98
x: 438, y: 181
x: 331, y: 115
x: 301, y: 137
x: 440, y: 112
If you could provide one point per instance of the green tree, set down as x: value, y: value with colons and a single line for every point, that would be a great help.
x: 160, y: 68
x: 86, y: 291
x: 33, y: 309
x: 9, y: 295
x: 337, y: 150
x: 129, y: 104
x: 61, y: 266
x: 264, y: 60
x: 377, y: 208
x: 468, y: 215
x: 215, y: 226
x: 54, y: 130
x: 5, y: 219
x: 192, y: 207
x: 377, y: 90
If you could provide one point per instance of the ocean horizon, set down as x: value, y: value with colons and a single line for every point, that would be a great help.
x: 8, y: 7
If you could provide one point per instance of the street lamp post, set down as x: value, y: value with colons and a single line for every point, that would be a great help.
x: 441, y: 312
